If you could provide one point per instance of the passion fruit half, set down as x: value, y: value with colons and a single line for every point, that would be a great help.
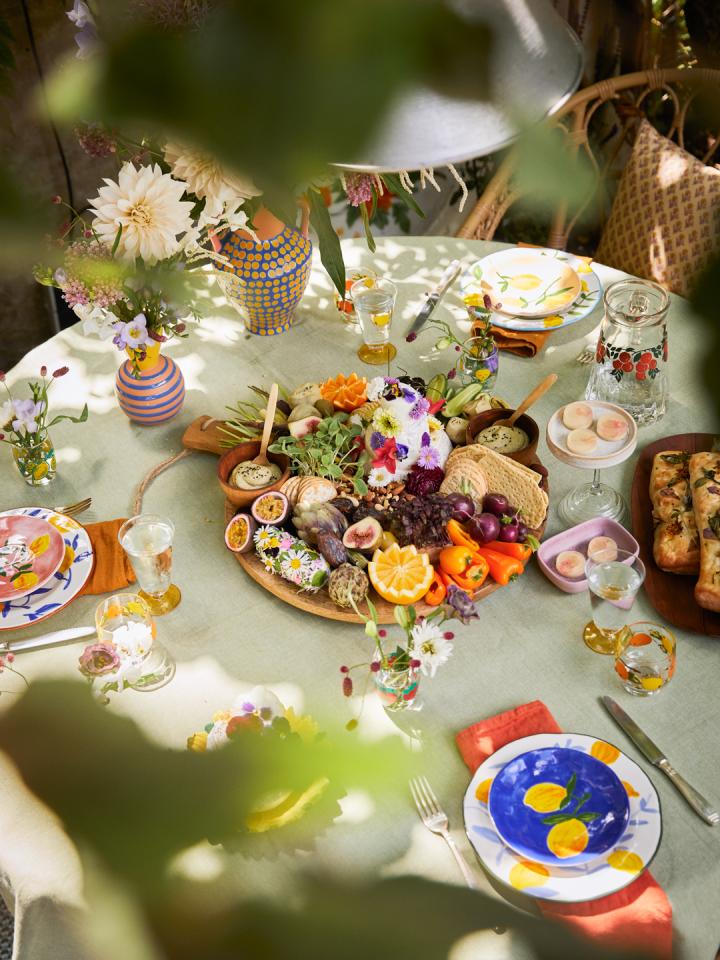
x: 239, y: 533
x: 271, y: 507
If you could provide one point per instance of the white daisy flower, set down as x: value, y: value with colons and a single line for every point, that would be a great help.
x: 430, y: 646
x: 147, y: 204
x: 385, y: 422
x: 295, y: 566
x: 375, y: 388
x: 380, y: 477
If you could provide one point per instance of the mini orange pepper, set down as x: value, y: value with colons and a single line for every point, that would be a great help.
x: 455, y: 560
x: 437, y: 591
x: 520, y: 551
x: 459, y: 537
x: 474, y: 577
x: 503, y: 569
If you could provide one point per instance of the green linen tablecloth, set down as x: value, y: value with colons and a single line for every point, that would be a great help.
x: 228, y: 634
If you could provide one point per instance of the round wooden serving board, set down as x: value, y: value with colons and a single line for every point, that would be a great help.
x: 320, y: 603
x: 672, y: 595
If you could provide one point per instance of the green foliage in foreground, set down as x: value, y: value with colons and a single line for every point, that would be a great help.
x: 131, y: 806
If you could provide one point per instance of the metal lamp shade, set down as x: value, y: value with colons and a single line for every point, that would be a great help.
x: 536, y: 63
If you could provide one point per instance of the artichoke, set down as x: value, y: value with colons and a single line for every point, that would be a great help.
x: 348, y: 584
x: 313, y: 519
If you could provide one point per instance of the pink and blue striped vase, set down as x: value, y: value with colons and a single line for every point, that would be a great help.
x: 154, y: 396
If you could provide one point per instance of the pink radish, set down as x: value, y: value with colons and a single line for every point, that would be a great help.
x: 602, y: 549
x: 611, y: 427
x: 577, y: 416
x: 570, y: 564
x: 582, y: 442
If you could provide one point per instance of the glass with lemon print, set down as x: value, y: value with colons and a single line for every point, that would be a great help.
x: 36, y: 464
x: 479, y: 362
x: 559, y: 805
x: 647, y: 663
x: 374, y: 303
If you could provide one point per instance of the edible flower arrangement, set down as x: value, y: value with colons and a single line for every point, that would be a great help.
x: 382, y: 501
x: 299, y: 814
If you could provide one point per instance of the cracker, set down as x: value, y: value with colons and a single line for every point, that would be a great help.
x: 519, y: 483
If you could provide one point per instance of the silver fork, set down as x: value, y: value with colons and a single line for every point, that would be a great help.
x: 73, y: 509
x: 586, y: 356
x: 436, y: 820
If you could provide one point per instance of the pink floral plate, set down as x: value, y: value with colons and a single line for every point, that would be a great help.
x: 64, y: 584
x: 31, y: 550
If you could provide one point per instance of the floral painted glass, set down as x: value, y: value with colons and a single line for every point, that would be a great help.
x: 345, y: 304
x: 397, y: 686
x: 632, y: 351
x: 36, y: 463
x: 478, y: 363
x: 647, y: 663
x: 127, y: 653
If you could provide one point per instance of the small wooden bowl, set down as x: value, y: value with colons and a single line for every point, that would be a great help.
x: 248, y: 451
x: 487, y: 418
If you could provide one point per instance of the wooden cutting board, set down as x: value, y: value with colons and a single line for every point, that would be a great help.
x: 671, y: 595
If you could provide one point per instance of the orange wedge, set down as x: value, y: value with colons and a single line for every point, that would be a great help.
x: 400, y: 574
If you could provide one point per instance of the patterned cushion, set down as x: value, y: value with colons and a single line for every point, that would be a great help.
x: 664, y: 220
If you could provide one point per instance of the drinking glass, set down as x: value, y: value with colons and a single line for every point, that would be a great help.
x: 125, y: 622
x: 613, y: 586
x: 631, y: 357
x: 374, y: 305
x: 647, y: 662
x: 147, y: 540
x: 345, y: 304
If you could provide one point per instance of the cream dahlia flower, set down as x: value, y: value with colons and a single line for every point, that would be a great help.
x: 146, y: 203
x: 222, y: 190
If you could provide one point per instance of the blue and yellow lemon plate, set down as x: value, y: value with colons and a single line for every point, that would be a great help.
x: 562, y: 817
x: 519, y: 274
x: 66, y: 582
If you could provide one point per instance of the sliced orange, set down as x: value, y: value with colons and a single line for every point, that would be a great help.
x: 345, y: 393
x: 400, y: 574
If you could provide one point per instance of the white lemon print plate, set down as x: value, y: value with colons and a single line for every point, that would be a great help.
x: 589, y: 293
x: 614, y: 869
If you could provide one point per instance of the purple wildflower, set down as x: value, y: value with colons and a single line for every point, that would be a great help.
x: 459, y: 605
x: 425, y: 440
x: 428, y: 458
x: 359, y: 188
x: 376, y: 440
x: 248, y: 707
x: 75, y: 293
x: 95, y: 140
x: 420, y: 409
x: 401, y: 451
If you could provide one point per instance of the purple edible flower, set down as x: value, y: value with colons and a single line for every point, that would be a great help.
x: 401, y: 451
x: 376, y: 440
x: 428, y: 458
x: 248, y: 707
x: 425, y: 441
x: 459, y: 605
x: 420, y: 409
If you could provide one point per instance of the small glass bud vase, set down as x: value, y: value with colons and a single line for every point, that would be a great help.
x: 479, y: 363
x: 397, y: 686
x: 36, y: 463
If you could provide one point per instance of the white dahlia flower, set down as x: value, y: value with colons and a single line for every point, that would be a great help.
x: 222, y: 190
x: 147, y: 204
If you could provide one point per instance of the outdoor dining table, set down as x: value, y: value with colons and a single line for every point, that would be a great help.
x: 229, y: 634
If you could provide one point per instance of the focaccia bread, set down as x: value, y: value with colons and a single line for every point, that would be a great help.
x: 705, y: 487
x: 676, y: 547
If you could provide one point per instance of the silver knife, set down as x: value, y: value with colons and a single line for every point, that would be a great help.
x: 658, y: 759
x: 46, y: 640
x: 435, y: 295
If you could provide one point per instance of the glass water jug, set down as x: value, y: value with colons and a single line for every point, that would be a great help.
x: 630, y: 366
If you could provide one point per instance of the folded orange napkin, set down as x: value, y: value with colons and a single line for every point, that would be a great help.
x: 111, y: 568
x: 521, y: 343
x: 640, y: 915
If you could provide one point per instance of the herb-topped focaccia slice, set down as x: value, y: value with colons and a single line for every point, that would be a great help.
x: 676, y: 547
x: 705, y: 487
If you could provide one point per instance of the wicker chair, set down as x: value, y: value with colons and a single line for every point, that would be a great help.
x: 630, y: 96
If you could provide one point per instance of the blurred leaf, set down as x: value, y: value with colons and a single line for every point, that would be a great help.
x: 704, y: 301
x: 276, y: 103
x: 328, y: 240
x: 548, y: 174
x: 7, y: 58
x: 392, y: 182
x: 137, y: 804
x: 403, y: 917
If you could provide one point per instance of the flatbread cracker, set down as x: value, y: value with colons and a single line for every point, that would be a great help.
x: 519, y: 483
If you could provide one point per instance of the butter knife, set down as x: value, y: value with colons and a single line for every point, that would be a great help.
x: 436, y: 294
x: 658, y: 759
x: 46, y: 640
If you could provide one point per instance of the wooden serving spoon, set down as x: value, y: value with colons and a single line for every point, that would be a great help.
x: 261, y: 458
x: 529, y: 400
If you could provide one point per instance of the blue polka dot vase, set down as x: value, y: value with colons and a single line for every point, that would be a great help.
x: 265, y: 279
